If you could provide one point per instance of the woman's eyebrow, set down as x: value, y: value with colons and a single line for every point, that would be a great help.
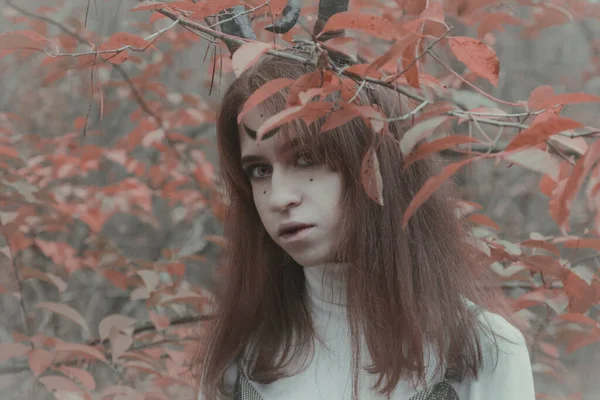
x: 252, y: 133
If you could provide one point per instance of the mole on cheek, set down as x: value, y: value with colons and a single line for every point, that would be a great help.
x: 265, y: 192
x: 311, y: 179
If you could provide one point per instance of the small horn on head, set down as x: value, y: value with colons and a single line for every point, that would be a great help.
x: 239, y: 26
x: 291, y: 13
x: 326, y: 9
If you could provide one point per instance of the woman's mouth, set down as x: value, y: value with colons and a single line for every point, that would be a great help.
x: 296, y: 235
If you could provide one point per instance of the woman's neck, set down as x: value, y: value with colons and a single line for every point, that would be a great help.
x: 325, y: 283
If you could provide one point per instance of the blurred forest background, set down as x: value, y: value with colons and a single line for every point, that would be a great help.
x: 565, y: 55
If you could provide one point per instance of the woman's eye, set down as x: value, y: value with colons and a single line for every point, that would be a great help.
x: 257, y: 171
x: 306, y: 159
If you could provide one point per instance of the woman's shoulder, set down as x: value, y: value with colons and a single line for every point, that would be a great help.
x: 229, y: 378
x: 506, y: 333
x: 506, y: 371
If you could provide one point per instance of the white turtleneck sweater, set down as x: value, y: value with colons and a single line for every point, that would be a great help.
x: 329, y: 376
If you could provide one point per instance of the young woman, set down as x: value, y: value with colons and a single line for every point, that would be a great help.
x: 322, y: 294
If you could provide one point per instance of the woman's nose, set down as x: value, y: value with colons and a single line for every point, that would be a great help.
x: 285, y: 191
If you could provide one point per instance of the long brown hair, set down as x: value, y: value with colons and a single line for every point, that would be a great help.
x: 407, y: 286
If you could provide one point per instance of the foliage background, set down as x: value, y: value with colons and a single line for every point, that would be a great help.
x: 96, y: 148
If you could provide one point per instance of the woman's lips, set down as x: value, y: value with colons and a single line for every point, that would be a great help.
x: 297, y: 235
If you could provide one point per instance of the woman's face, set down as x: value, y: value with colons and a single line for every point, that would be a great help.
x: 291, y: 192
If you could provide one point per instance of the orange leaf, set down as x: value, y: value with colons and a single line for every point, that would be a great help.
x: 369, y: 23
x: 247, y: 55
x: 538, y: 133
x: 65, y: 311
x: 478, y: 56
x: 263, y: 93
x: 431, y: 186
x: 371, y: 176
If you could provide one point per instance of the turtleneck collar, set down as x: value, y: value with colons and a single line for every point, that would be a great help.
x: 325, y: 284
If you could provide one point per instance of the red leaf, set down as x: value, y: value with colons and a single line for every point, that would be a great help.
x: 65, y: 311
x: 393, y: 53
x: 28, y: 40
x: 565, y: 197
x: 588, y: 243
x: 484, y: 220
x: 538, y: 133
x: 12, y: 350
x: 431, y: 186
x: 81, y: 350
x: 536, y: 160
x: 373, y: 118
x: 263, y: 93
x: 547, y: 265
x: 39, y: 361
x: 317, y: 109
x: 581, y: 294
x: 542, y: 245
x: 56, y: 382
x: 419, y: 132
x: 577, y: 318
x: 340, y: 117
x: 122, y: 39
x: 247, y: 55
x: 117, y: 322
x: 538, y: 95
x: 160, y: 322
x: 478, y: 56
x: 569, y: 98
x: 8, y: 151
x: 305, y: 82
x: 369, y: 23
x: 119, y: 343
x: 149, y: 5
x: 412, y: 73
x: 81, y: 375
x: 371, y: 176
x: 426, y: 149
